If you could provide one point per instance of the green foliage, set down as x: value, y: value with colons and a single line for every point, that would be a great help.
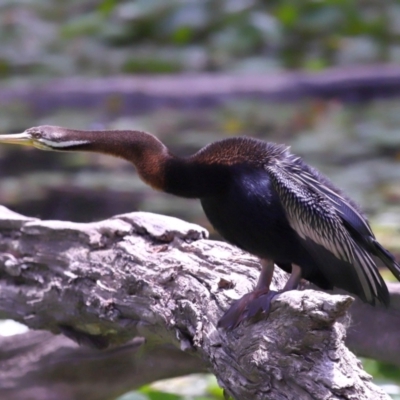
x: 381, y: 371
x: 150, y: 65
x: 211, y: 390
x: 304, y: 34
x: 85, y: 25
x: 107, y: 7
x: 385, y: 375
x: 287, y: 14
x: 157, y: 395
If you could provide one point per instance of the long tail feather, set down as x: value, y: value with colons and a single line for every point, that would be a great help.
x: 388, y: 259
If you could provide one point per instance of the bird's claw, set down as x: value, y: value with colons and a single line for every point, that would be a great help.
x: 251, y: 305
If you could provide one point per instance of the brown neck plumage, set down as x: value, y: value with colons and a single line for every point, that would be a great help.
x: 145, y: 151
x: 201, y: 175
x: 154, y: 163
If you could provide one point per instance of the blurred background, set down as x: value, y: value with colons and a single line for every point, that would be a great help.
x: 323, y: 77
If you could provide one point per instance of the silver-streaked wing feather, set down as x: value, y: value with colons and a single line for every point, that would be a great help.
x: 343, y: 207
x: 351, y: 217
x: 312, y: 215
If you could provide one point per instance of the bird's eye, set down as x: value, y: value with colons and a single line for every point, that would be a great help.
x: 35, y: 134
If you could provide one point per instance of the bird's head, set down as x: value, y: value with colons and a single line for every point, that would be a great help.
x: 46, y: 137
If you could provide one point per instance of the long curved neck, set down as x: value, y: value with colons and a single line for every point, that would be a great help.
x: 154, y: 163
x: 143, y: 150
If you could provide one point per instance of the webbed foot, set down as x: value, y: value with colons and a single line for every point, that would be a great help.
x: 251, y: 305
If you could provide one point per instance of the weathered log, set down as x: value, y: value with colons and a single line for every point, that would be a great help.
x: 374, y: 331
x: 135, y: 94
x: 157, y: 281
x: 38, y: 365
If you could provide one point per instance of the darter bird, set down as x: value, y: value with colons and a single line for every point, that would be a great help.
x: 259, y: 197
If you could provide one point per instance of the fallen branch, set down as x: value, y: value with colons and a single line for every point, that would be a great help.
x: 374, y: 331
x: 38, y: 365
x: 143, y: 93
x: 157, y: 281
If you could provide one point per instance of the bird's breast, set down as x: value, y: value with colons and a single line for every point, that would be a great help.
x: 249, y: 214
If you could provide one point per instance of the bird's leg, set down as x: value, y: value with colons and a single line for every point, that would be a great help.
x: 241, y: 308
x: 262, y: 303
x: 265, y: 278
x: 294, y: 279
x: 259, y: 301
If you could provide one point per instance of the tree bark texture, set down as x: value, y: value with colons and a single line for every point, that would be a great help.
x: 157, y: 287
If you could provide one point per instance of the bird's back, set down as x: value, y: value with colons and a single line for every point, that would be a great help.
x: 276, y: 206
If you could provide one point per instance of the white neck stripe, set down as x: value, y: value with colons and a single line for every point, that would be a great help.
x: 69, y: 143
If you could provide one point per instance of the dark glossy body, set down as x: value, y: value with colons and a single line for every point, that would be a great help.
x: 237, y: 192
x: 249, y: 214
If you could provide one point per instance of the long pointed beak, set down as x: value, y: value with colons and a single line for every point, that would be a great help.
x: 17, y: 138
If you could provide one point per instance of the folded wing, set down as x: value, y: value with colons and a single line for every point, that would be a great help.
x: 327, y: 224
